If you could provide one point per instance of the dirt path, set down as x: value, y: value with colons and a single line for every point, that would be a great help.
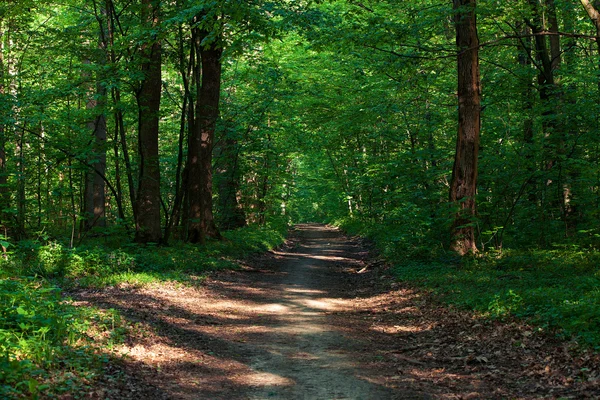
x: 302, y: 346
x: 301, y: 323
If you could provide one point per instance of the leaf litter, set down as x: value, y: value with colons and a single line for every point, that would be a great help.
x: 301, y: 322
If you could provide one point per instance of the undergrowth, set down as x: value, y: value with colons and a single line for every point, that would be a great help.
x: 99, y: 264
x: 557, y: 290
x: 47, y: 345
x: 51, y: 347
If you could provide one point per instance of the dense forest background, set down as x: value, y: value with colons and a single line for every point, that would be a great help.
x: 158, y: 118
x: 439, y: 129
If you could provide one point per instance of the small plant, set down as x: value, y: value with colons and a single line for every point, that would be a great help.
x: 44, y: 340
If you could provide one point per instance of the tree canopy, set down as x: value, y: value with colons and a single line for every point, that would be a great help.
x: 329, y: 110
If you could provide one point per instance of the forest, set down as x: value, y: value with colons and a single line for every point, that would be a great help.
x: 144, y: 142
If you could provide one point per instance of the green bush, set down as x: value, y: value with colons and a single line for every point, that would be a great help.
x: 41, y: 347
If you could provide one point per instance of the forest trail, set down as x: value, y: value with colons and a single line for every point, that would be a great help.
x: 302, y: 323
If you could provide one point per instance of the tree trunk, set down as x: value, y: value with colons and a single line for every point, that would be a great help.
x: 94, y: 198
x: 548, y: 57
x: 232, y: 215
x: 201, y: 220
x: 463, y: 186
x: 4, y: 192
x: 147, y: 225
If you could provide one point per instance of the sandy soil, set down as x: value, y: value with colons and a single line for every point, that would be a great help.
x: 318, y: 319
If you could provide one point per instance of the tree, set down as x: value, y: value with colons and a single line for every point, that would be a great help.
x: 94, y: 197
x: 208, y: 53
x: 4, y: 190
x: 463, y: 186
x: 147, y: 207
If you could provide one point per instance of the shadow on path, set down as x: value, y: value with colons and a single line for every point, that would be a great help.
x: 300, y: 323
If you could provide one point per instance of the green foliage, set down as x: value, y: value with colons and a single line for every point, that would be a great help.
x: 54, y: 259
x: 47, y: 344
x: 348, y: 117
x: 555, y: 290
x: 45, y: 340
x: 101, y: 264
x: 408, y: 233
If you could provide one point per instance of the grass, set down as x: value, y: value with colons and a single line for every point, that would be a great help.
x: 48, y: 346
x: 557, y: 290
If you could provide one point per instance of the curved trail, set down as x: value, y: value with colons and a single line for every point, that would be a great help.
x: 301, y: 323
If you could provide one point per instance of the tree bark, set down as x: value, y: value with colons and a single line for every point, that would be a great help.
x: 4, y: 193
x: 148, y: 228
x: 95, y: 198
x: 463, y: 186
x: 200, y: 191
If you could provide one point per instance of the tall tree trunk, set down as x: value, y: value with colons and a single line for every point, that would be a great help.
x: 94, y: 197
x: 120, y: 136
x: 463, y: 186
x: 147, y: 224
x: 201, y: 220
x: 185, y: 70
x: 548, y: 56
x: 4, y: 192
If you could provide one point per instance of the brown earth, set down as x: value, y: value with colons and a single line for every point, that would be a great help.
x: 318, y: 319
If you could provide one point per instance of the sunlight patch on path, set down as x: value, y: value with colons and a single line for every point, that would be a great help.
x: 316, y: 257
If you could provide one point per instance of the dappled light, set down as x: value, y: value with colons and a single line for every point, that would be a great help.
x: 312, y: 326
x: 341, y: 199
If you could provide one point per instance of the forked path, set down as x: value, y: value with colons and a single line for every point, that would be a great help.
x: 303, y: 323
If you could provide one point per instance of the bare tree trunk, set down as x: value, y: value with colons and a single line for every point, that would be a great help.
x: 147, y: 225
x: 122, y: 140
x: 207, y: 112
x: 463, y: 186
x: 201, y: 220
x: 4, y: 192
x: 193, y: 204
